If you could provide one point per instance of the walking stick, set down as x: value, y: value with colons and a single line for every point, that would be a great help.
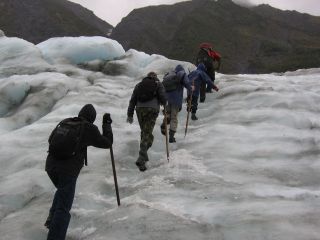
x: 107, y: 121
x: 166, y: 127
x: 115, y: 176
x: 189, y: 108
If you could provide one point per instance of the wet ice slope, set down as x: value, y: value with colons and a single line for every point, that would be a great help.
x: 248, y: 169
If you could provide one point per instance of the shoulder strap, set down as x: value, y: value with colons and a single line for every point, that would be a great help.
x: 83, y: 122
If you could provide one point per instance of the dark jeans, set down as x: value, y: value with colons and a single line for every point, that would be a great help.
x: 194, y: 103
x: 205, y: 87
x: 61, y: 205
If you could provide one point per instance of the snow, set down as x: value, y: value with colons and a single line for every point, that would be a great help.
x: 248, y: 168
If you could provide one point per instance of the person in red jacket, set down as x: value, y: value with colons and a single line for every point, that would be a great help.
x: 208, y: 57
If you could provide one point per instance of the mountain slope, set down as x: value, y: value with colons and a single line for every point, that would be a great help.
x: 248, y: 168
x: 250, y: 40
x: 38, y: 20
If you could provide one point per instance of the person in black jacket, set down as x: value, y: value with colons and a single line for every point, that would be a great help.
x: 64, y: 173
x: 147, y: 112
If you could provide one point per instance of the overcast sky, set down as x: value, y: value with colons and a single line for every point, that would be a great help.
x: 113, y: 11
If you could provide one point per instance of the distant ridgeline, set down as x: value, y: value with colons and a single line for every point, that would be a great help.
x: 261, y: 39
x: 39, y: 20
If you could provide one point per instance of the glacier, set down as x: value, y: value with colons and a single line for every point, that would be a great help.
x: 248, y: 169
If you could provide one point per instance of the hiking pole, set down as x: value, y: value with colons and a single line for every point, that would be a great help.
x: 115, y: 176
x: 166, y: 127
x: 107, y: 121
x: 188, y: 115
x: 189, y: 109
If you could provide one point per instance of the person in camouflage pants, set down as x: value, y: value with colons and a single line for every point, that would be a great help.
x: 147, y: 110
x: 147, y: 119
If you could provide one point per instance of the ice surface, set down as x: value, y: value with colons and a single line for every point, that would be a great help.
x: 248, y: 168
x: 81, y: 49
x: 18, y: 56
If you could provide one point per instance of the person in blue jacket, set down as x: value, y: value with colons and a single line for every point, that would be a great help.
x: 175, y: 99
x: 196, y: 78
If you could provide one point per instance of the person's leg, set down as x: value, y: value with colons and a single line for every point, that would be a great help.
x: 54, y: 177
x: 203, y: 88
x: 174, y: 123
x: 194, y: 107
x: 63, y: 202
x: 152, y: 115
x: 211, y: 73
x: 143, y: 157
x: 148, y: 117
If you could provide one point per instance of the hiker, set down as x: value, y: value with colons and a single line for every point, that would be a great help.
x: 197, y: 78
x: 174, y: 82
x: 146, y: 99
x: 68, y: 144
x: 208, y: 57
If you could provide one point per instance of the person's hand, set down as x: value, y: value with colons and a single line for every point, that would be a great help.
x: 107, y: 119
x: 215, y: 88
x: 192, y: 88
x: 130, y: 120
x: 106, y: 126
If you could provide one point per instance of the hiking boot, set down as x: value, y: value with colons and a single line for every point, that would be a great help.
x: 141, y: 165
x: 194, y: 117
x: 171, y: 136
x: 143, y: 155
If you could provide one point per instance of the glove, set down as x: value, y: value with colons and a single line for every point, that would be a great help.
x: 106, y: 126
x: 107, y: 119
x: 130, y: 119
x: 215, y: 88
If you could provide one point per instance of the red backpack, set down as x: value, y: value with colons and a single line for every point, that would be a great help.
x: 209, y: 49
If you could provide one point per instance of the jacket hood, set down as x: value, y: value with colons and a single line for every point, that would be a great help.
x: 88, y: 112
x: 179, y: 68
x: 201, y: 67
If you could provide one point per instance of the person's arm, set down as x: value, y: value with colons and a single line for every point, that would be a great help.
x: 132, y: 103
x: 95, y: 139
x: 186, y: 82
x: 205, y: 78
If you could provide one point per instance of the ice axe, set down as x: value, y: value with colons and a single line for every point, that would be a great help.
x: 189, y: 102
x: 107, y: 120
x: 166, y: 131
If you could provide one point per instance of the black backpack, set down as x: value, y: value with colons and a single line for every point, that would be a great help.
x: 171, y: 81
x: 64, y: 141
x: 147, y: 89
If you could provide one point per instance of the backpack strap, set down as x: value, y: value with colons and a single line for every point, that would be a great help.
x: 82, y: 123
